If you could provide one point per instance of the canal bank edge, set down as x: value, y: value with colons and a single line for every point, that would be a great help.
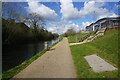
x: 12, y: 72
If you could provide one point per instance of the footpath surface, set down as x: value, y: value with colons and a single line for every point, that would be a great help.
x: 56, y: 63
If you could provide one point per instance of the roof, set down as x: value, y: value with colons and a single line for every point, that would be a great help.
x: 91, y: 24
x: 107, y: 18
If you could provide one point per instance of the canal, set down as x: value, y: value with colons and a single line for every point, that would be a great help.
x: 13, y: 56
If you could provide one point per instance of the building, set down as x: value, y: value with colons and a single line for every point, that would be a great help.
x: 90, y: 27
x: 109, y: 23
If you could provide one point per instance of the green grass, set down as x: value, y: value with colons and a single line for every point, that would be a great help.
x: 105, y: 46
x: 12, y: 72
x: 72, y: 39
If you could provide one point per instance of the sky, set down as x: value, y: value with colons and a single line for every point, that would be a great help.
x: 64, y: 15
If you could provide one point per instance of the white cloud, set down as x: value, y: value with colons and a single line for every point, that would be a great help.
x: 42, y: 10
x: 117, y: 5
x: 57, y: 29
x: 95, y: 9
x: 62, y: 28
x: 91, y: 8
x: 84, y: 24
x: 52, y: 29
x: 68, y: 11
x: 69, y: 22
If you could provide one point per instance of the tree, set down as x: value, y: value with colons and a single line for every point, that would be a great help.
x: 16, y: 31
x: 80, y: 31
x: 70, y: 32
x: 36, y: 21
x: 10, y: 12
x: 11, y: 16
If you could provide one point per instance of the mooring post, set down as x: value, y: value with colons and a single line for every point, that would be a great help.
x: 46, y: 45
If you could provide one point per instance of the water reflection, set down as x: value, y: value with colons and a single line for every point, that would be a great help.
x: 13, y: 56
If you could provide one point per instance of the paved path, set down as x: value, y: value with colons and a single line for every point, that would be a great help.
x: 56, y: 63
x: 71, y: 44
x: 98, y: 64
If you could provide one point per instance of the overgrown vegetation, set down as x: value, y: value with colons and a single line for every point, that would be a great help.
x: 105, y: 46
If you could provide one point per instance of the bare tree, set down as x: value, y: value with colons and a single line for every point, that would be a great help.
x: 35, y: 20
x: 12, y: 16
x: 10, y: 12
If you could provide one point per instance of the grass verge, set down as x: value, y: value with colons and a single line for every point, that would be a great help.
x: 80, y: 37
x: 105, y: 46
x: 12, y: 72
x: 72, y: 39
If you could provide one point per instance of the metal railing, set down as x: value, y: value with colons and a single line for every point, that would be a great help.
x: 85, y: 37
x: 95, y: 33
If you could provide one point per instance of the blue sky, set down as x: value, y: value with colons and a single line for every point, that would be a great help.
x: 61, y: 16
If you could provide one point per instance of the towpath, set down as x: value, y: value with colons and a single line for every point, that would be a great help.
x: 56, y: 63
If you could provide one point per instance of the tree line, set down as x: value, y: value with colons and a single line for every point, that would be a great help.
x: 17, y: 33
x: 15, y: 30
x: 71, y: 32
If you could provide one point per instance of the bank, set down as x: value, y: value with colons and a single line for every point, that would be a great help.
x: 104, y: 46
x: 10, y: 73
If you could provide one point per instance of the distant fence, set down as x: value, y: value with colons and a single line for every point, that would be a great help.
x: 85, y: 36
x: 94, y: 33
x: 98, y: 33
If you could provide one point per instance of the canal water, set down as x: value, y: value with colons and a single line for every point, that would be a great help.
x: 13, y: 56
